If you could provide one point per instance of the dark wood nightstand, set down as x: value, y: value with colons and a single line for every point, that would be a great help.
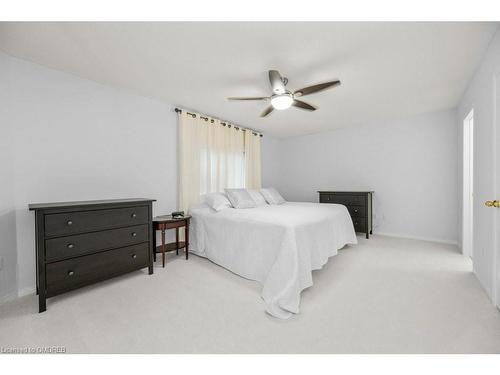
x: 165, y: 222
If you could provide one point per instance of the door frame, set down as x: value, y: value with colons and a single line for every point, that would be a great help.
x: 468, y: 179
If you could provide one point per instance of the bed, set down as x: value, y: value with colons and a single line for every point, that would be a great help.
x: 276, y: 245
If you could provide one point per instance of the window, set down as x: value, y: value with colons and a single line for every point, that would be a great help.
x: 213, y: 156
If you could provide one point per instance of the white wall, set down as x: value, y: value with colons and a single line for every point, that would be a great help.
x: 411, y: 165
x: 74, y: 139
x: 8, y: 255
x: 66, y: 138
x: 480, y: 97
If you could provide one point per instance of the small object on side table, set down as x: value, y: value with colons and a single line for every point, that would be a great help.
x: 162, y: 223
x: 177, y: 214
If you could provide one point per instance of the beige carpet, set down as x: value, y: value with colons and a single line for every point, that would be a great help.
x: 385, y: 295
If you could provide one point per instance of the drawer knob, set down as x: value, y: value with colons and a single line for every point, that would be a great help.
x: 134, y: 234
x: 69, y: 222
x: 70, y: 273
x: 134, y: 256
x: 134, y: 215
x: 70, y: 246
x: 355, y: 210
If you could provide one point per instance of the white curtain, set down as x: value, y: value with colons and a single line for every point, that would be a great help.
x: 252, y: 160
x: 213, y: 156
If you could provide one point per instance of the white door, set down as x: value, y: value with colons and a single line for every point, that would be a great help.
x: 486, y: 257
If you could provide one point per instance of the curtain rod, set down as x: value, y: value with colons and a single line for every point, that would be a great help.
x: 224, y: 123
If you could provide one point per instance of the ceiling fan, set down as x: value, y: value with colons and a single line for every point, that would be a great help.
x: 282, y: 98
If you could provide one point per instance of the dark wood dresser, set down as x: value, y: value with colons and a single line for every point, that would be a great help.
x: 80, y: 243
x: 359, y: 205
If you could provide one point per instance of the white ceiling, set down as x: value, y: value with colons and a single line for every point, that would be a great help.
x: 388, y: 70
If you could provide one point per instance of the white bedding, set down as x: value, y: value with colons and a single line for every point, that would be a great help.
x: 277, y: 245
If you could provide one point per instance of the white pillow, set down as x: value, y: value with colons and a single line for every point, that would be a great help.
x: 257, y: 197
x: 218, y: 201
x: 240, y: 198
x: 272, y: 196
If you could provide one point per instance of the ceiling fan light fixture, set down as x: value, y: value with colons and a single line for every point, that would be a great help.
x: 282, y: 101
x: 282, y: 98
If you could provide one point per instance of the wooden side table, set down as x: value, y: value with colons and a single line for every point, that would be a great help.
x: 162, y: 223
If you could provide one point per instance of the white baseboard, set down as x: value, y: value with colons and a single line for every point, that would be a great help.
x: 17, y: 294
x: 8, y: 297
x: 26, y: 291
x: 411, y: 237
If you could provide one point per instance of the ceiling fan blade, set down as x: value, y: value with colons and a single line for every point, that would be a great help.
x: 249, y: 98
x: 316, y: 88
x: 267, y: 111
x: 276, y: 82
x: 303, y: 105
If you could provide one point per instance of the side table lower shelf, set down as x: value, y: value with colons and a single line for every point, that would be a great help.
x: 172, y: 246
x: 163, y: 223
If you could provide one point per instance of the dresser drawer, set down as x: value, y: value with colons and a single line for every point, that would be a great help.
x: 88, y: 221
x: 74, y: 273
x: 359, y: 224
x: 357, y: 211
x: 81, y: 244
x: 345, y: 199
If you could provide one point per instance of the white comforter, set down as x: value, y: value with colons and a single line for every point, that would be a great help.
x: 277, y: 245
